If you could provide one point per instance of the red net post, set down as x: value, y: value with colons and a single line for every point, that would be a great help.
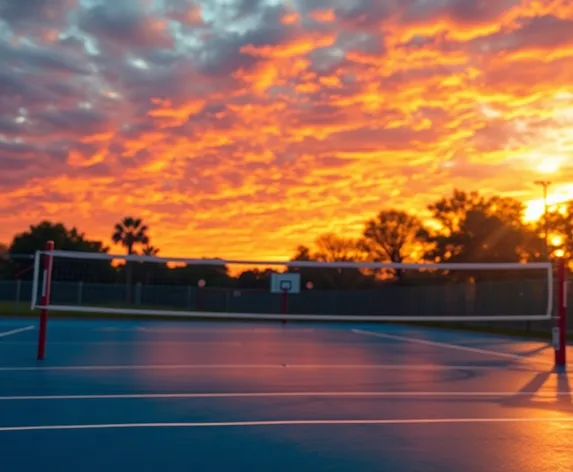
x: 560, y: 329
x: 47, y: 262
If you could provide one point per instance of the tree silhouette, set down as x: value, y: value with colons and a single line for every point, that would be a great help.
x: 308, y: 274
x: 5, y: 263
x: 129, y: 233
x: 561, y: 224
x: 149, y: 250
x: 488, y: 238
x: 332, y: 248
x: 479, y: 229
x: 67, y: 239
x: 150, y: 268
x: 393, y: 236
x: 449, y: 212
x: 254, y: 279
x: 302, y: 253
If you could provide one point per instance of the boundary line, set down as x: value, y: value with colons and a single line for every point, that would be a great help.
x: 457, y: 347
x: 403, y: 421
x: 207, y: 330
x: 400, y: 367
x: 388, y: 394
x: 16, y: 331
x: 128, y: 343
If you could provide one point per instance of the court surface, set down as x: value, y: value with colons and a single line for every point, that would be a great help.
x: 143, y: 395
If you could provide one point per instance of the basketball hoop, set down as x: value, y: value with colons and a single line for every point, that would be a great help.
x: 285, y: 285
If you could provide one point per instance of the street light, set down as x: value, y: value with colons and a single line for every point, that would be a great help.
x: 545, y: 185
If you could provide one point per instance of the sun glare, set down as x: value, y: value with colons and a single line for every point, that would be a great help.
x: 550, y: 165
x: 556, y: 240
x: 535, y: 208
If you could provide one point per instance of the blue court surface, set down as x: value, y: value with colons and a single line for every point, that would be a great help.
x: 204, y: 396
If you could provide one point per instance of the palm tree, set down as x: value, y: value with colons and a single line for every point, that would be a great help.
x: 149, y: 250
x: 129, y: 232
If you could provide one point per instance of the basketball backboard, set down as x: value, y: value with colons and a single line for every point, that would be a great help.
x: 287, y: 282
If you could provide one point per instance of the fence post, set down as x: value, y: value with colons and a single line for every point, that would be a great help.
x: 18, y: 292
x: 80, y: 292
x: 138, y: 293
x: 189, y: 296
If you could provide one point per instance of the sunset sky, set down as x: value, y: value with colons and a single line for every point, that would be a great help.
x: 241, y: 128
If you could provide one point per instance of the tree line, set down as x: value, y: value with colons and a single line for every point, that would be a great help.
x: 464, y: 227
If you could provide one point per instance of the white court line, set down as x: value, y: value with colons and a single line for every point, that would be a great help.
x: 136, y: 343
x: 406, y: 394
x: 16, y: 331
x: 239, y: 330
x: 191, y: 330
x: 184, y: 343
x: 405, y: 367
x: 405, y: 421
x: 457, y: 347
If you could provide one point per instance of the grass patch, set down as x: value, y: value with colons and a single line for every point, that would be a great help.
x: 15, y: 309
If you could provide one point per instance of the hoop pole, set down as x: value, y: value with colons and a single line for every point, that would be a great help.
x: 284, y: 308
x: 200, y: 297
x: 47, y: 263
x: 560, y: 329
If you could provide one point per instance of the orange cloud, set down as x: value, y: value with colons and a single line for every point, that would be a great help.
x: 170, y: 115
x: 290, y: 18
x: 323, y: 16
x: 296, y: 47
x: 192, y: 15
x: 256, y: 130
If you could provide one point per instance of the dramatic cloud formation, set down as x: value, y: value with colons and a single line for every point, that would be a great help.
x: 242, y: 128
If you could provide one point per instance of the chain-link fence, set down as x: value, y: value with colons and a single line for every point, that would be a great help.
x: 504, y: 299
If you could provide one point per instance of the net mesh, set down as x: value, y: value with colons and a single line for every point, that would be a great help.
x: 241, y: 289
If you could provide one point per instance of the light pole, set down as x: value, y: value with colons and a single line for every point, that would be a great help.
x: 545, y: 185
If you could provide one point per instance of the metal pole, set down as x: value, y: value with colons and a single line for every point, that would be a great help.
x: 560, y: 329
x: 18, y: 293
x: 284, y: 305
x: 545, y: 221
x: 545, y: 185
x: 48, y: 262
